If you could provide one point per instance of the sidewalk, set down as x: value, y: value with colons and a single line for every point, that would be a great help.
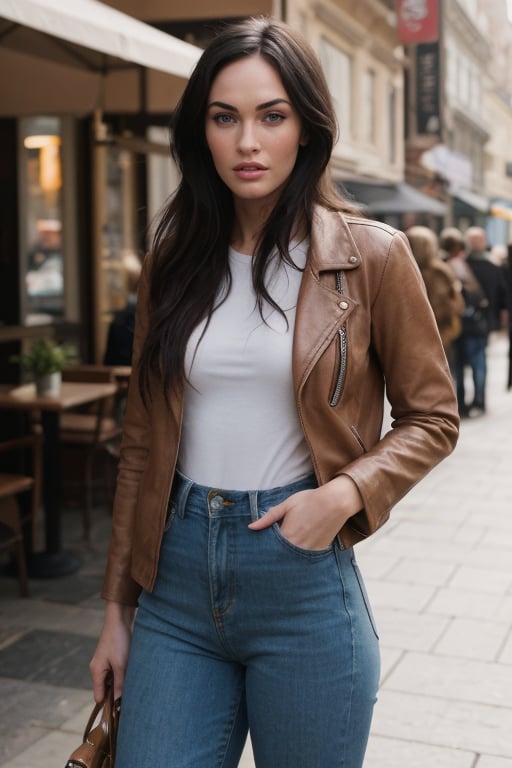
x: 439, y: 577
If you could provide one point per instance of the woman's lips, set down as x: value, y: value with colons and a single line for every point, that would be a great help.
x: 250, y: 171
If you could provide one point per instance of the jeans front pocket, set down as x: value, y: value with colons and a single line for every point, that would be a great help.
x: 290, y: 546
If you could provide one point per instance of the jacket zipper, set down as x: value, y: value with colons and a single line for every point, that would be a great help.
x: 342, y: 349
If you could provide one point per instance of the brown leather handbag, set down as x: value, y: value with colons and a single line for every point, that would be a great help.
x: 99, y: 744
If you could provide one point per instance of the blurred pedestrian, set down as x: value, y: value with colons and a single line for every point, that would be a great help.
x: 444, y: 290
x: 488, y: 274
x: 484, y: 297
x: 269, y: 321
x: 509, y: 282
x: 118, y: 350
x: 451, y: 245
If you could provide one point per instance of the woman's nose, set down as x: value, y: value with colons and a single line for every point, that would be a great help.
x: 248, y: 139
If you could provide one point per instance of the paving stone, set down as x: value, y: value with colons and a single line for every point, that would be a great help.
x: 394, y: 753
x: 407, y: 630
x: 471, y: 605
x: 40, y: 614
x: 389, y: 658
x: 472, y: 639
x: 488, y: 761
x: 442, y: 551
x: 495, y: 538
x: 457, y: 679
x: 505, y: 656
x: 49, y: 751
x: 73, y: 589
x: 493, y: 580
x: 375, y: 566
x: 56, y: 658
x: 76, y: 724
x: 468, y: 726
x: 247, y: 760
x: 469, y: 535
x: 28, y: 710
x: 389, y: 594
x: 424, y: 572
x: 9, y: 634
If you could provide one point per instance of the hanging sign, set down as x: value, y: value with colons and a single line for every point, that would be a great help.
x: 418, y: 20
x: 428, y: 111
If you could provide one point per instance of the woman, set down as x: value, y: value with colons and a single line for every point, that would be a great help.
x: 444, y: 290
x: 252, y: 461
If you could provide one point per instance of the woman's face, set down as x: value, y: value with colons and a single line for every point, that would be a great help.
x: 252, y: 130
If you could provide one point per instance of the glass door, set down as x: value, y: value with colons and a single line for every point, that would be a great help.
x: 47, y: 222
x: 117, y: 261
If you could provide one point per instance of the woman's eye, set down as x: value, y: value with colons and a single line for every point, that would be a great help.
x: 274, y: 117
x: 223, y: 119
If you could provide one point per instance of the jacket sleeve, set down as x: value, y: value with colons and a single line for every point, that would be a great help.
x: 419, y: 387
x: 118, y: 584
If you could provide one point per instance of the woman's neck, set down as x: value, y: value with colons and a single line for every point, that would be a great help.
x: 248, y: 226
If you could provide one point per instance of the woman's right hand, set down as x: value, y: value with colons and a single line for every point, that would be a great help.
x: 111, y: 653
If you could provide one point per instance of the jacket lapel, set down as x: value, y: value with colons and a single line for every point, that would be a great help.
x: 321, y: 310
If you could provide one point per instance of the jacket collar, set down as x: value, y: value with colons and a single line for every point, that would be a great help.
x: 332, y: 246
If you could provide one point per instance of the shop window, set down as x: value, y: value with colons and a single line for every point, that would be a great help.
x: 368, y: 104
x: 42, y: 220
x: 118, y: 261
x: 392, y: 124
x: 337, y: 66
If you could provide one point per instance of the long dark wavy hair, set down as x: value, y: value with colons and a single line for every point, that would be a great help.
x: 190, y: 248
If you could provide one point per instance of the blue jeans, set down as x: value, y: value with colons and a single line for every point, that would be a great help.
x: 471, y: 350
x: 246, y: 631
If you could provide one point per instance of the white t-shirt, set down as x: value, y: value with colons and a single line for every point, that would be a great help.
x: 240, y: 425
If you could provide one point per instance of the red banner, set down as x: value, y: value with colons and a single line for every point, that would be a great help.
x: 418, y: 20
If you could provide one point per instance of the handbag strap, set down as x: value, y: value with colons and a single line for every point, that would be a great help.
x: 110, y: 709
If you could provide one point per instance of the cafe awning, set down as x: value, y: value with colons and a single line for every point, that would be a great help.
x: 470, y: 199
x: 389, y: 198
x: 501, y: 209
x: 66, y: 48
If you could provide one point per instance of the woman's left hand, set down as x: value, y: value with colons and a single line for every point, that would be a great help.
x: 311, y: 519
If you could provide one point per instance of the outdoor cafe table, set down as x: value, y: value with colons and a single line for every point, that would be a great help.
x: 53, y: 561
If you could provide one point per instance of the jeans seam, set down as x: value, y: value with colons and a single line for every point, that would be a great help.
x: 338, y: 555
x: 231, y: 730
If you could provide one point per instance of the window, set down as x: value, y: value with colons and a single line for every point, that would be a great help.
x: 42, y: 219
x: 368, y: 126
x: 463, y: 80
x: 337, y: 66
x: 392, y: 123
x: 475, y: 95
x: 451, y: 68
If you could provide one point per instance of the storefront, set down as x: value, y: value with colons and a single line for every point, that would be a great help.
x: 397, y: 203
x: 499, y: 222
x: 84, y: 151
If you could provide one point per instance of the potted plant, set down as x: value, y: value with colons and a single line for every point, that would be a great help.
x: 45, y: 361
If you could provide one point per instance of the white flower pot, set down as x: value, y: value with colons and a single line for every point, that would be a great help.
x: 49, y: 384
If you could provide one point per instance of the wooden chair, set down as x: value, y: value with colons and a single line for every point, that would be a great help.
x: 11, y: 517
x: 92, y: 431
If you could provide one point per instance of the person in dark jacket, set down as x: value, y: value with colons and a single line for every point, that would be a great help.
x: 120, y: 333
x: 485, y: 294
x: 488, y: 274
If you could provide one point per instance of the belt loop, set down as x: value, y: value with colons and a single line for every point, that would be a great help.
x: 253, y: 504
x: 184, y: 488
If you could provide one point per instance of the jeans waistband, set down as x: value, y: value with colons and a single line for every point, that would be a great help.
x: 219, y: 502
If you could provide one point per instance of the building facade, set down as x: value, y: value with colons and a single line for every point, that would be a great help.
x: 85, y: 158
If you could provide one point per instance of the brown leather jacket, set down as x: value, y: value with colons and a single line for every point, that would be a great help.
x: 362, y: 318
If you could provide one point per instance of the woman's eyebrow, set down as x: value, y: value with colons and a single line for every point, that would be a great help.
x: 259, y: 107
